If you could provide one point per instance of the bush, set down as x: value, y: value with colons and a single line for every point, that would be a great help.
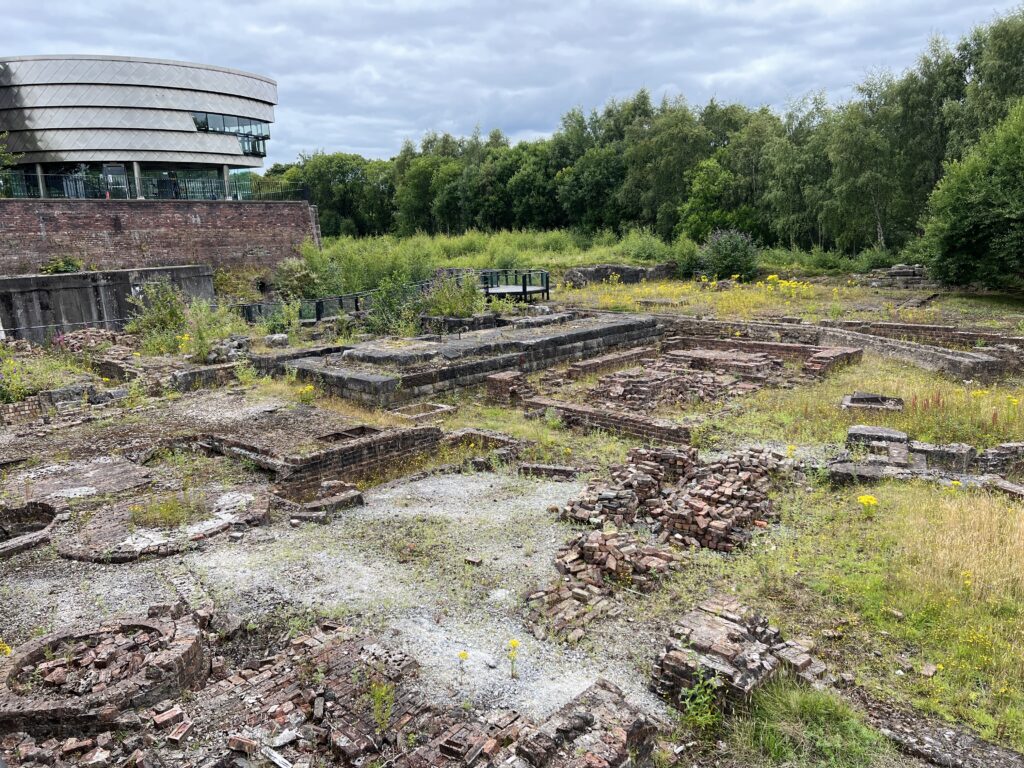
x: 975, y: 226
x: 394, y: 309
x: 729, y: 252
x: 205, y: 326
x: 62, y: 265
x: 644, y: 246
x: 453, y: 297
x: 167, y: 325
x: 160, y: 318
x: 287, y: 318
x: 293, y: 278
x: 687, y: 257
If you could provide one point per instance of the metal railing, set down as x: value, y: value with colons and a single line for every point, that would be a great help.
x: 94, y: 186
x: 517, y: 284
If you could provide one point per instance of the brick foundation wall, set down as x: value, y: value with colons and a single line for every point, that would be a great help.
x: 587, y: 417
x: 119, y: 234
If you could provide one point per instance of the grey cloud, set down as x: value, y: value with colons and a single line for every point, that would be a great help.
x: 363, y: 76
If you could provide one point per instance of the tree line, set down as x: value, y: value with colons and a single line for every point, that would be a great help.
x: 850, y: 176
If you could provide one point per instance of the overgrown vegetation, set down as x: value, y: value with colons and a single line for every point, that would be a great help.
x: 60, y: 265
x: 920, y: 596
x: 798, y: 727
x: 937, y: 409
x: 172, y: 510
x: 22, y: 376
x: 451, y: 296
x: 166, y: 324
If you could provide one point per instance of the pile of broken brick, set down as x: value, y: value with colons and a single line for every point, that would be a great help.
x: 683, y: 504
x: 309, y: 702
x: 715, y: 505
x: 725, y: 645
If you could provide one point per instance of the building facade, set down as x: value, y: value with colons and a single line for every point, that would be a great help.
x: 102, y: 126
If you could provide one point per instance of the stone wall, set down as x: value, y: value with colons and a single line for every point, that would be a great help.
x: 117, y: 234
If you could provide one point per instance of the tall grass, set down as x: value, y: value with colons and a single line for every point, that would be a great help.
x: 937, y: 409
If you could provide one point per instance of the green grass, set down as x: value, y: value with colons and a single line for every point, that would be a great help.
x: 793, y: 726
x: 22, y: 376
x: 549, y: 441
x: 937, y: 409
x: 928, y: 577
x: 169, y: 511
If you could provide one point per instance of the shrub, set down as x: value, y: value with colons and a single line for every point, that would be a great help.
x: 206, y: 325
x: 730, y: 252
x: 287, y: 318
x: 167, y: 325
x: 643, y: 245
x: 454, y: 297
x: 61, y: 265
x: 687, y: 257
x: 293, y: 278
x: 160, y: 318
x: 394, y: 309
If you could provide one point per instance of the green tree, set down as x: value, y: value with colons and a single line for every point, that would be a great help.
x: 975, y: 227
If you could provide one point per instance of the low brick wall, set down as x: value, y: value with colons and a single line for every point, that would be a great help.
x: 939, y: 334
x: 384, y: 386
x: 958, y: 363
x: 357, y: 458
x: 606, y: 362
x: 816, y: 359
x: 578, y: 415
x: 118, y: 234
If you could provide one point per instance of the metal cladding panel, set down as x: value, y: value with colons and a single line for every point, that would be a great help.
x: 29, y: 98
x: 93, y: 109
x: 59, y: 118
x: 141, y: 156
x: 125, y: 71
x: 116, y: 139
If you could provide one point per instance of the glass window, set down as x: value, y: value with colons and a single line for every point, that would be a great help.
x: 230, y: 123
x: 245, y: 125
x: 199, y: 118
x: 216, y: 122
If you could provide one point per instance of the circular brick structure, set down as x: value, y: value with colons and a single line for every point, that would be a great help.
x: 109, y: 536
x: 82, y: 679
x: 24, y: 527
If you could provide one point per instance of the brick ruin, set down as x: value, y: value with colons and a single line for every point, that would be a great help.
x: 107, y: 696
x: 878, y: 453
x: 170, y: 688
x: 682, y: 503
x: 725, y: 645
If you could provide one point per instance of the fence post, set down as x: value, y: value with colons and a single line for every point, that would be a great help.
x: 319, y: 310
x: 526, y: 293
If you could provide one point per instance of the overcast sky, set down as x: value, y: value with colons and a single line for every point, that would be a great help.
x: 363, y: 76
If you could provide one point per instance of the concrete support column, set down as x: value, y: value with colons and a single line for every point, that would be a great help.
x: 42, y: 181
x: 227, y: 183
x: 137, y: 172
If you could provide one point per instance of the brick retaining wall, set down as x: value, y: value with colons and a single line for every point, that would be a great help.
x: 117, y: 234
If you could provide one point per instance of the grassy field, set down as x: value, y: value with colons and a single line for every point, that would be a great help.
x: 937, y: 409
x: 812, y: 301
x: 920, y: 596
